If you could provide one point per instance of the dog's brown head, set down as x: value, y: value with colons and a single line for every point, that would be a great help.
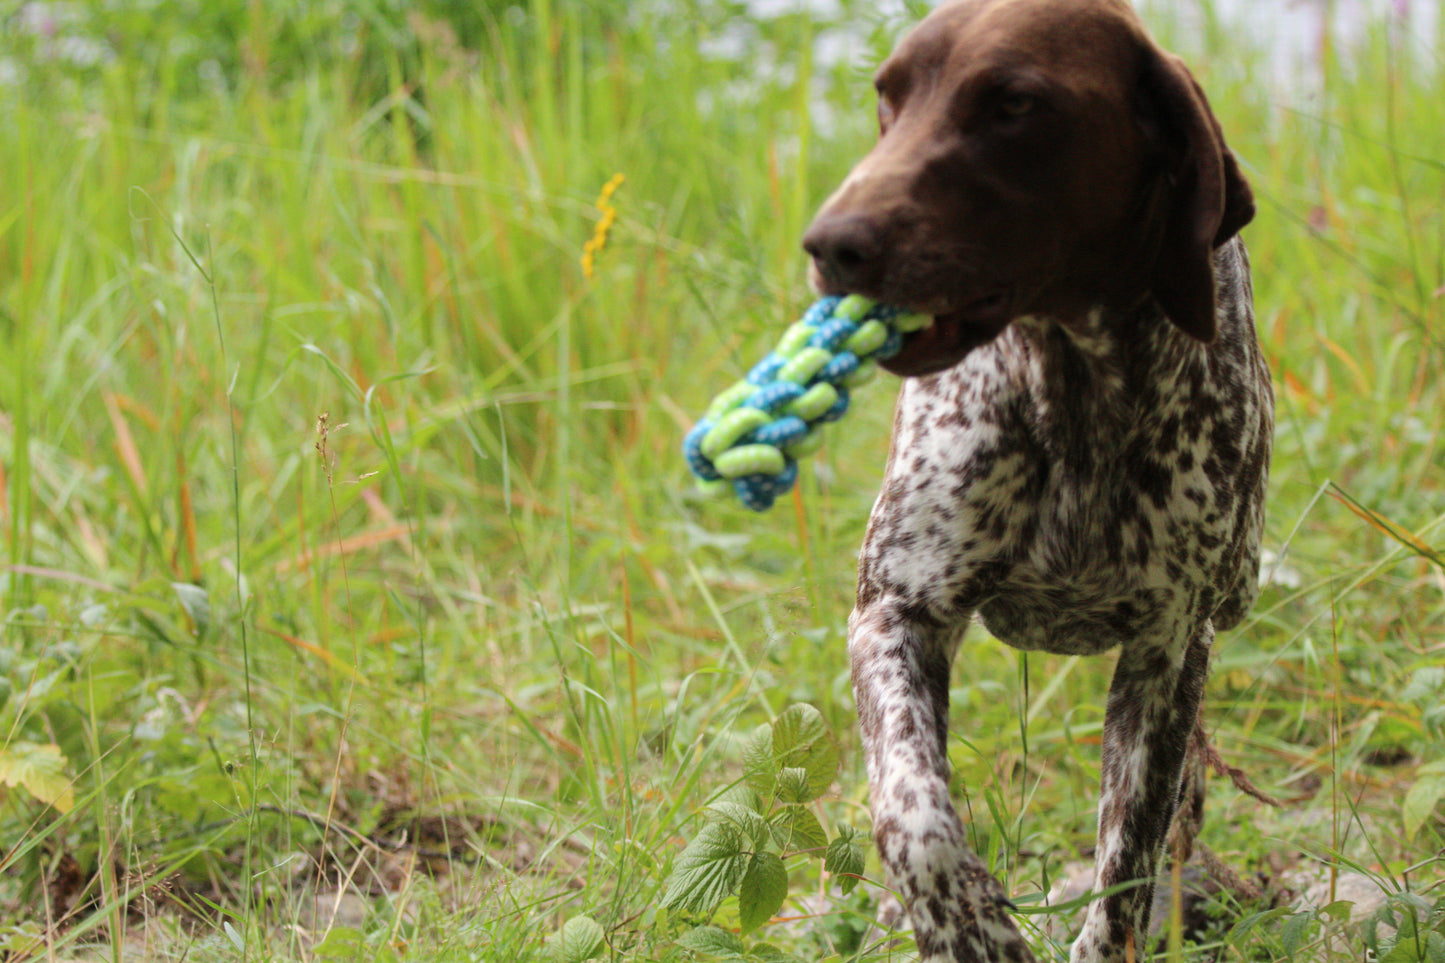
x: 1035, y: 157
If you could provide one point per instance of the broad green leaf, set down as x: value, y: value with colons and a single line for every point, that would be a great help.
x: 708, y: 870
x: 40, y: 770
x: 742, y: 794
x: 23, y: 941
x: 1404, y: 945
x: 764, y: 887
x: 580, y: 939
x: 1381, y: 919
x: 793, y: 785
x: 768, y: 953
x: 796, y: 828
x: 712, y: 941
x: 801, y: 740
x: 1423, y: 797
x: 749, y: 821
x: 1402, y: 951
x: 844, y: 859
x: 1294, y: 931
x: 760, y: 769
x: 1414, y: 905
x: 796, y: 730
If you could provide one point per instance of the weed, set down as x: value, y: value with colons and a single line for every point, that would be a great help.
x: 755, y: 827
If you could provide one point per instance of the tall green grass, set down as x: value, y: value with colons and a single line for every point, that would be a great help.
x: 350, y: 565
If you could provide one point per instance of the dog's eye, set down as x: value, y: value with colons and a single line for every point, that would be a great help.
x: 1015, y: 104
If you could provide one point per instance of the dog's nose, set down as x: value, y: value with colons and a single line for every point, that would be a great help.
x: 847, y: 249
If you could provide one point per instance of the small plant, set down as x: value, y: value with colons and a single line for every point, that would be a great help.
x: 755, y: 828
x: 579, y: 940
x: 29, y: 760
x: 1408, y: 929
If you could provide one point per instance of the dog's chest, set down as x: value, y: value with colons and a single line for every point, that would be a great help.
x: 1063, y: 506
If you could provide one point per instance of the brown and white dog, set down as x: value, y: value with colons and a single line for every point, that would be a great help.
x: 1082, y: 440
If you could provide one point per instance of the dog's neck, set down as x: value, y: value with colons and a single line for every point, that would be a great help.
x: 1089, y: 372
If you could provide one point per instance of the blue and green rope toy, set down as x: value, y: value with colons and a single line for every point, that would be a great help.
x: 752, y: 435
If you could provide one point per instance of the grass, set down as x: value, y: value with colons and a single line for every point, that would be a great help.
x: 350, y: 568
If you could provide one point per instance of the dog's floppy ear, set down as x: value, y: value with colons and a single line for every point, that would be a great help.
x: 1206, y: 201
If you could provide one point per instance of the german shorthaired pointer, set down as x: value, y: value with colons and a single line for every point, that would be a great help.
x: 1081, y: 444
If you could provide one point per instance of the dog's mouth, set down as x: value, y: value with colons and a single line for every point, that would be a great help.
x: 952, y: 335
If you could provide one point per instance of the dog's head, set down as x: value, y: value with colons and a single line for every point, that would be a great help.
x: 1034, y: 157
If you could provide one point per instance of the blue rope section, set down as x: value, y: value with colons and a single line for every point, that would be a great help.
x: 752, y: 435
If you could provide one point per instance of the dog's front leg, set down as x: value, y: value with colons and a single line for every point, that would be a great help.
x: 1151, y: 715
x: 900, y: 667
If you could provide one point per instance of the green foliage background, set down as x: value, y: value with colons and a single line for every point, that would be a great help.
x: 346, y: 547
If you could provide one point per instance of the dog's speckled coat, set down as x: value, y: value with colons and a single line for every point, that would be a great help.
x: 1080, y: 452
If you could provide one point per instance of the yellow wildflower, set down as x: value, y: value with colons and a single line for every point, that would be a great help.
x: 604, y: 224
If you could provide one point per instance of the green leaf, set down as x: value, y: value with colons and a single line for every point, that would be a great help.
x: 844, y: 859
x: 768, y: 953
x: 234, y: 935
x: 712, y: 941
x: 22, y: 941
x: 749, y: 821
x: 760, y: 769
x: 709, y: 869
x: 196, y: 603
x: 1402, y: 951
x: 1254, y: 921
x: 796, y: 828
x: 580, y: 939
x: 793, y: 785
x: 1423, y: 797
x: 801, y: 740
x: 1294, y: 931
x: 742, y: 794
x: 40, y: 770
x: 764, y: 887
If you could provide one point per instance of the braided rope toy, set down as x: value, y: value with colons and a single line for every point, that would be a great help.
x: 752, y: 435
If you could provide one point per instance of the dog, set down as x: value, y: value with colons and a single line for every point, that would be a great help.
x: 1081, y: 445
